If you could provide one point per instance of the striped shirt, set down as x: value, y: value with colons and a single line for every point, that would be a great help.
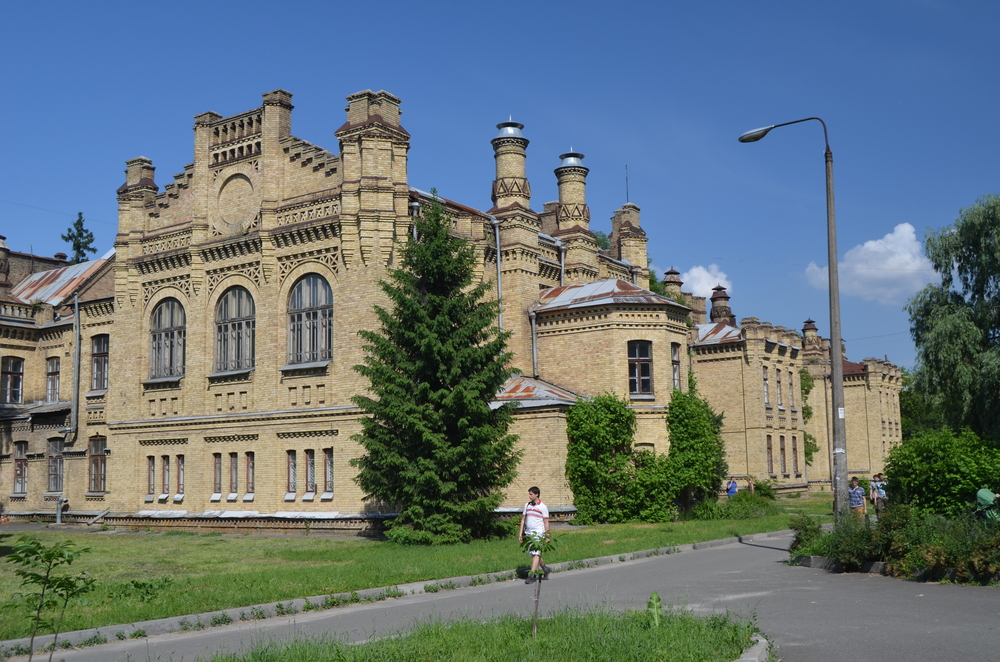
x: 535, y: 515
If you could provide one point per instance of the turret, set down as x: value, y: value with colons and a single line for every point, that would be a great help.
x: 672, y: 283
x: 572, y: 177
x: 510, y: 188
x: 721, y: 312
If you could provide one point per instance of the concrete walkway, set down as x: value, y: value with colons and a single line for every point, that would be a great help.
x: 811, y: 615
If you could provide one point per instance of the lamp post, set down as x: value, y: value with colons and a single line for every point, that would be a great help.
x: 840, y: 501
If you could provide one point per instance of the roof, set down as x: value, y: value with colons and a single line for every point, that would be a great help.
x: 852, y: 368
x: 53, y: 286
x: 599, y: 293
x: 530, y: 392
x: 33, y: 409
x: 717, y: 334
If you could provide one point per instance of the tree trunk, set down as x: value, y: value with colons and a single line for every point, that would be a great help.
x: 538, y: 594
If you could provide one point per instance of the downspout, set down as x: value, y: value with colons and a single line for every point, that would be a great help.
x: 534, y: 345
x: 414, y: 213
x: 496, y: 234
x: 562, y: 262
x: 634, y: 271
x: 75, y: 412
x: 829, y: 423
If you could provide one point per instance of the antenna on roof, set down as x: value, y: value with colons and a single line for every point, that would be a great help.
x: 626, y: 183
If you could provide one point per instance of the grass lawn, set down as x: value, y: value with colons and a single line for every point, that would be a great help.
x: 142, y: 577
x: 597, y: 636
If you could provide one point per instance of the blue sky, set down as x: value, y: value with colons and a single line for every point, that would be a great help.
x: 908, y: 89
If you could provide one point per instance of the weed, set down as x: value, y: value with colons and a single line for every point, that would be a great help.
x: 141, y: 590
x: 180, y: 533
x: 354, y: 597
x: 221, y: 619
x: 621, y: 558
x: 308, y: 606
x: 16, y: 649
x: 431, y: 588
x: 330, y: 602
x: 394, y: 592
x: 96, y: 640
x: 211, y: 534
x: 282, y: 610
x: 137, y: 634
x: 105, y: 527
x: 448, y: 586
x: 120, y: 636
x: 479, y: 580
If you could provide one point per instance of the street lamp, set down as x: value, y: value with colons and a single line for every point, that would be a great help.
x: 836, y: 348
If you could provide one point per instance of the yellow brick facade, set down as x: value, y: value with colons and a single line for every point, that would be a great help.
x: 260, y: 209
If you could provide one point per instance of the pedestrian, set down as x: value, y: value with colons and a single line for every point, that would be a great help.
x: 877, y: 493
x: 535, y: 524
x: 750, y: 485
x: 859, y: 505
x: 731, y: 487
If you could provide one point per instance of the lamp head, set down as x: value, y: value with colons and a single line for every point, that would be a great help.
x: 755, y: 135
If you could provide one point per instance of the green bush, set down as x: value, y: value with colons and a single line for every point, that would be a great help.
x: 742, y: 506
x: 807, y: 530
x: 852, y: 542
x: 940, y: 471
x: 764, y: 489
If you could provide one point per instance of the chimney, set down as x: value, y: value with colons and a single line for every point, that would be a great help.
x: 721, y: 312
x: 672, y: 283
x: 572, y: 177
x: 511, y: 186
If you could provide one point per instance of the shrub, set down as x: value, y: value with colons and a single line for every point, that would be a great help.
x: 807, y: 531
x: 940, y: 471
x: 742, y: 506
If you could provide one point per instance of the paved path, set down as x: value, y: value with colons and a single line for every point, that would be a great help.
x: 811, y: 615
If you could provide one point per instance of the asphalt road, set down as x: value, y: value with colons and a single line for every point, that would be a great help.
x: 811, y: 615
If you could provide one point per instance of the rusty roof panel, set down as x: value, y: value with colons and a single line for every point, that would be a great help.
x: 717, y: 334
x: 53, y: 286
x: 597, y: 293
x: 529, y: 392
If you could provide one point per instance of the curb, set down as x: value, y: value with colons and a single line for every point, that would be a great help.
x: 204, y: 620
x: 759, y: 651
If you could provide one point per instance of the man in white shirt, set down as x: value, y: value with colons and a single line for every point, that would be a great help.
x: 535, y: 523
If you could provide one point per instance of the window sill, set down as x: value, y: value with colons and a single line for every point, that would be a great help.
x: 244, y: 372
x: 326, y: 496
x: 641, y: 396
x: 19, y: 495
x: 767, y: 406
x: 52, y: 495
x: 96, y: 393
x: 780, y: 408
x: 178, y: 498
x: 163, y: 380
x: 290, y: 496
x: 163, y: 497
x: 149, y: 498
x: 216, y: 497
x: 315, y: 365
x: 94, y: 495
x: 248, y: 497
x: 232, y: 496
x: 308, y: 496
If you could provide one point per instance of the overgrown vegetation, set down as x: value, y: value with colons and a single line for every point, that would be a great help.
x: 80, y: 239
x: 809, y: 445
x: 567, y: 636
x: 742, y: 506
x: 433, y: 446
x: 913, y: 544
x: 614, y: 482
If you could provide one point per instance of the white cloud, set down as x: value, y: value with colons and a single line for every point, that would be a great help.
x: 887, y: 270
x: 700, y: 281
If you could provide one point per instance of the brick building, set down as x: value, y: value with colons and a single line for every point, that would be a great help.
x: 217, y: 339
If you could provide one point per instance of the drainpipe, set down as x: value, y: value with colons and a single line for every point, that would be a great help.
x: 75, y: 411
x: 534, y: 345
x: 496, y: 234
x: 59, y: 504
x: 635, y: 272
x: 414, y: 212
x: 562, y: 262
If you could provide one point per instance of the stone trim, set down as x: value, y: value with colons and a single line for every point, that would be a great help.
x: 162, y: 442
x: 308, y: 433
x: 231, y: 437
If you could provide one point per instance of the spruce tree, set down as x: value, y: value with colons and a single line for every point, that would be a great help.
x: 81, y: 239
x: 434, y: 448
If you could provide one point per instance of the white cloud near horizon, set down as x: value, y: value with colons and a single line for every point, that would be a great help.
x: 887, y: 270
x: 699, y: 281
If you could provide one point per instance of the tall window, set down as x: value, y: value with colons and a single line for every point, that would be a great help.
x: 781, y: 451
x: 310, y: 321
x: 20, y: 467
x: 52, y: 379
x: 250, y: 460
x: 99, y: 362
x: 217, y: 473
x: 167, y: 332
x: 795, y: 454
x: 640, y: 367
x: 165, y: 465
x: 292, y: 487
x: 11, y: 379
x: 234, y: 473
x: 55, y: 465
x: 791, y: 391
x: 770, y: 456
x: 98, y: 464
x: 328, y: 470
x: 234, y: 331
x: 675, y: 360
x: 310, y: 471
x: 777, y: 374
x: 180, y: 474
x: 150, y: 475
x: 767, y: 394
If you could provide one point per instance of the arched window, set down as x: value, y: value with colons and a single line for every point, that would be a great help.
x: 310, y: 321
x: 166, y: 350
x: 234, y: 331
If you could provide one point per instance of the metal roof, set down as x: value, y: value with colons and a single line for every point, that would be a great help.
x: 53, y: 286
x: 716, y: 334
x: 598, y: 293
x: 531, y: 392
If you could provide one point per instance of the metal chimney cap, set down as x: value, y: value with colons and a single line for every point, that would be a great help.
x: 510, y: 130
x: 571, y: 160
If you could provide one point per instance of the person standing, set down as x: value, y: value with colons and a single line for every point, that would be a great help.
x: 535, y: 523
x: 750, y: 485
x: 877, y: 493
x: 859, y: 505
x: 731, y: 487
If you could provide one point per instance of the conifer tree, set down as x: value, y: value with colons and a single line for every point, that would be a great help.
x: 434, y: 448
x: 81, y: 239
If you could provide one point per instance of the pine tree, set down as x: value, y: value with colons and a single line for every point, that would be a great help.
x: 434, y: 448
x: 81, y: 239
